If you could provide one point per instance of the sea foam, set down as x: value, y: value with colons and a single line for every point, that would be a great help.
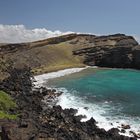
x: 68, y: 100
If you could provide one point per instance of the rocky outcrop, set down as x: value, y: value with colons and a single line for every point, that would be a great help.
x: 136, y: 57
x: 117, y: 51
x: 37, y: 121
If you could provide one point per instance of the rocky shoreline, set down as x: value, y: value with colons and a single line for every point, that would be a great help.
x: 38, y: 121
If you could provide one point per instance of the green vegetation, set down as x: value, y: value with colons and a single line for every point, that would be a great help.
x: 6, y: 103
x: 6, y: 115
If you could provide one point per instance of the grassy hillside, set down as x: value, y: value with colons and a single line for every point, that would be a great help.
x: 57, y: 57
x: 6, y: 103
x: 47, y: 55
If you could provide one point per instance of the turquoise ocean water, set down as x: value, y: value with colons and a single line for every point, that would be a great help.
x: 113, y: 93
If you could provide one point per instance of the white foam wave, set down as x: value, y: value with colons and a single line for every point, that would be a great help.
x: 68, y: 100
x: 40, y: 79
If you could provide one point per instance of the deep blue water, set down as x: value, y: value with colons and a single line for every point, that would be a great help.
x: 120, y: 88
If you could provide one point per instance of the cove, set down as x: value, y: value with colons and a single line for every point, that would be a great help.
x: 113, y: 93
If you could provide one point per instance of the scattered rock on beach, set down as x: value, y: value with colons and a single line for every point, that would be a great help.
x: 136, y: 135
x: 86, y: 108
x: 125, y: 126
x: 122, y: 131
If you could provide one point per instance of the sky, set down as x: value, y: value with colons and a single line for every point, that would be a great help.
x: 85, y: 16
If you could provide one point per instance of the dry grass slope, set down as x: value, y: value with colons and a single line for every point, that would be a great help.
x: 48, y: 55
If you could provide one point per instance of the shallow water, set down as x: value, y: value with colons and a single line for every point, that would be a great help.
x: 111, y: 95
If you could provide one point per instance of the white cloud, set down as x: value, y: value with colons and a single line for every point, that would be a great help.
x: 19, y: 33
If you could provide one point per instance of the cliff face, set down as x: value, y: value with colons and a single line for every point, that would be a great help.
x: 112, y: 51
x: 74, y: 50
